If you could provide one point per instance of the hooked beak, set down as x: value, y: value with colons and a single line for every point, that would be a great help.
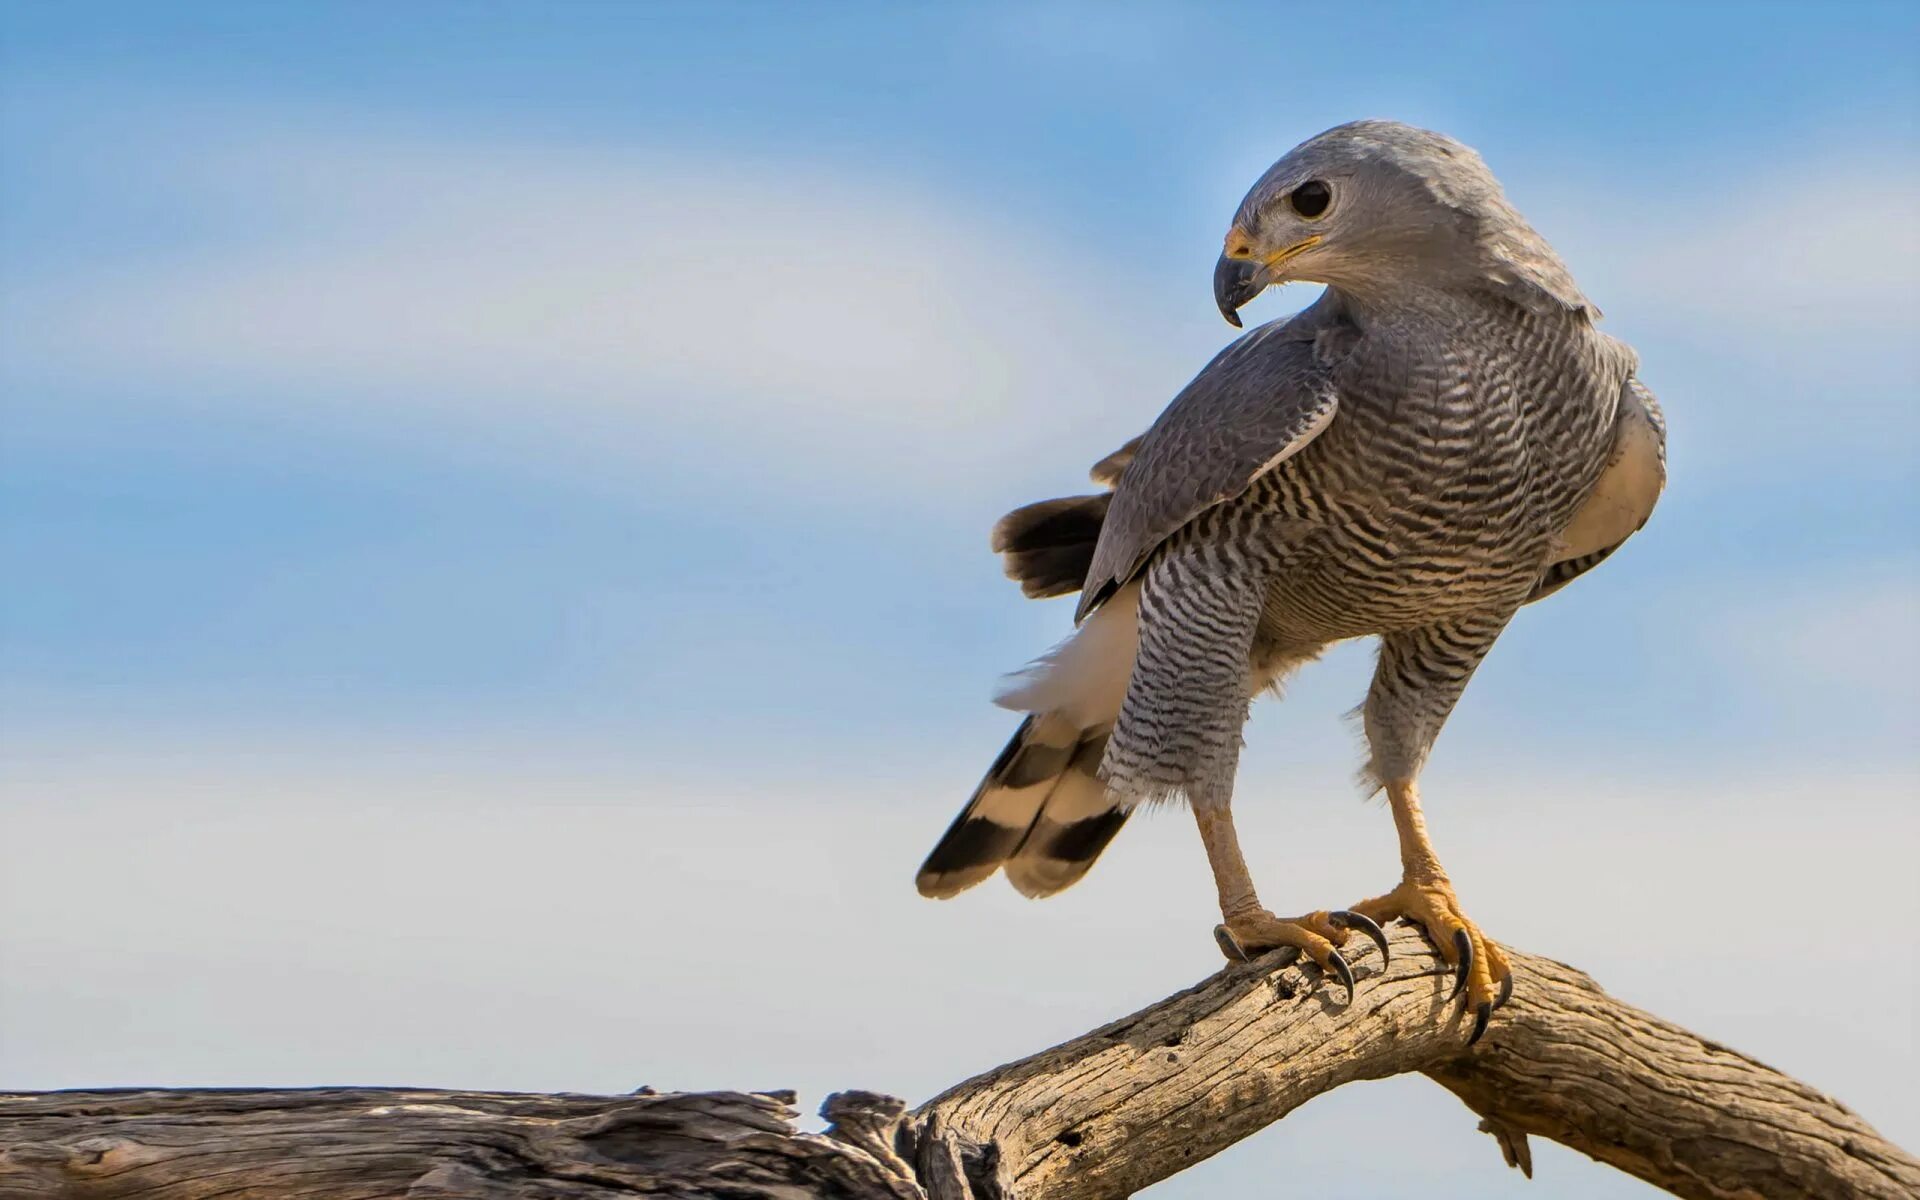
x: 1235, y: 282
x: 1238, y: 277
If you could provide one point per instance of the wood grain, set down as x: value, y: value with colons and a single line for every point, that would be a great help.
x: 1103, y: 1115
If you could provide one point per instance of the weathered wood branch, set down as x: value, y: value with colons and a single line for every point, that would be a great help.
x: 1103, y: 1115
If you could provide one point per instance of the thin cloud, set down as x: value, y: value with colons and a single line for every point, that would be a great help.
x: 763, y: 306
x: 767, y: 301
x: 1826, y: 254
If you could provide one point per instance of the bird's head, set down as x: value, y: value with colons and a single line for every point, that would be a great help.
x: 1377, y: 206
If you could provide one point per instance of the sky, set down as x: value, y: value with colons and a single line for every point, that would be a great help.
x: 493, y: 506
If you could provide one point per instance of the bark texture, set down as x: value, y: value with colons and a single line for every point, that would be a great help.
x: 1104, y: 1115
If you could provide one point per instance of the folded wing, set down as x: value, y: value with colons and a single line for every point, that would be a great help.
x: 1257, y: 404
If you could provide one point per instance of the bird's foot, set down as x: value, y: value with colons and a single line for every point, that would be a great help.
x: 1247, y: 935
x: 1480, y: 966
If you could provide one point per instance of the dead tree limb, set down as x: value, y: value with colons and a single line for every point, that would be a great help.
x: 1100, y: 1116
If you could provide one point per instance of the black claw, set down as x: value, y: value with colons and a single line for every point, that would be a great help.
x: 1353, y: 920
x: 1463, y: 947
x: 1481, y: 1012
x: 1344, y: 971
x: 1228, y: 946
x: 1506, y: 992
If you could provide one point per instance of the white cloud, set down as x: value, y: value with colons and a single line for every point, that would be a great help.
x: 774, y: 302
x: 1824, y: 252
x: 777, y: 303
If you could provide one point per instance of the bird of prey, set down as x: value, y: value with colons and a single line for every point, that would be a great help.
x: 1441, y: 438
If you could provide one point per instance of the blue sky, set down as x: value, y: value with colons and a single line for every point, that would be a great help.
x: 582, y: 423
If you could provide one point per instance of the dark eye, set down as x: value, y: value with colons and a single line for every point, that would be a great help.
x: 1310, y: 199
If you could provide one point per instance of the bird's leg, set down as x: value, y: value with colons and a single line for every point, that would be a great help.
x: 1426, y: 895
x: 1249, y: 929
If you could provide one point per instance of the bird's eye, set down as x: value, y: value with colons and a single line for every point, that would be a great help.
x: 1310, y: 199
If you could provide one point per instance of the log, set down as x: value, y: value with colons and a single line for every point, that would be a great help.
x: 1103, y: 1115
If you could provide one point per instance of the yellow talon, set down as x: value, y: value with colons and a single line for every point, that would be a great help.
x: 1480, y: 965
x: 1250, y: 933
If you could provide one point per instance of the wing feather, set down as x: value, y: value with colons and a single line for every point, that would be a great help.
x: 1258, y: 403
x: 1107, y: 471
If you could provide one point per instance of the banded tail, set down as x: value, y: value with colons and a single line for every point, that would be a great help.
x: 1042, y: 812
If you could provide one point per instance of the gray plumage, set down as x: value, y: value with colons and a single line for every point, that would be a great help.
x: 1258, y: 402
x: 1441, y: 438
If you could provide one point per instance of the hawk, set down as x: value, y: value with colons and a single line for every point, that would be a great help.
x: 1441, y: 438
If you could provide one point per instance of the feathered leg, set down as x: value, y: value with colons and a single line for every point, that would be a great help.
x: 1179, y: 734
x: 1420, y: 677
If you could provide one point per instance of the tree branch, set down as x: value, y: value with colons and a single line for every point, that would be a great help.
x: 1138, y: 1100
x: 1101, y: 1116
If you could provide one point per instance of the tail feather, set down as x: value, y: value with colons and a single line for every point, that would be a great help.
x: 995, y: 821
x: 1075, y: 824
x: 1042, y: 811
x: 1048, y: 547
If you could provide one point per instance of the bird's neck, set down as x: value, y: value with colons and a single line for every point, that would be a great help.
x: 1394, y: 303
